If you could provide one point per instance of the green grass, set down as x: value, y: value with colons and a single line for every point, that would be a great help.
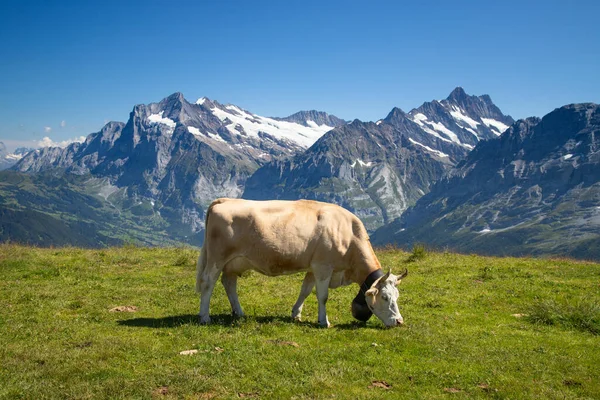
x: 476, y: 327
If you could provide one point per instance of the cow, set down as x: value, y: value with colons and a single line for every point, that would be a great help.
x: 278, y: 237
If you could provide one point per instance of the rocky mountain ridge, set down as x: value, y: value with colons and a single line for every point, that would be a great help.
x: 533, y: 190
x: 377, y: 170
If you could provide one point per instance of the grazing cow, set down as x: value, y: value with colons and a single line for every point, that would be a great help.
x: 276, y: 237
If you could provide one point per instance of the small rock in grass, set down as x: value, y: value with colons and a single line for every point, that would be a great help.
x: 519, y: 315
x: 161, y: 391
x: 188, y: 352
x: 380, y: 384
x: 124, y: 309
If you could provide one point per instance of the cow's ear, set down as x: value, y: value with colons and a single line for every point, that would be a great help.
x: 372, y: 292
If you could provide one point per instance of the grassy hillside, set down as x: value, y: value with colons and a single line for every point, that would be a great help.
x: 475, y: 327
x: 58, y: 210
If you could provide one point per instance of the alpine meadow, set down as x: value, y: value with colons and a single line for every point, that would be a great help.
x: 113, y: 323
x: 299, y: 200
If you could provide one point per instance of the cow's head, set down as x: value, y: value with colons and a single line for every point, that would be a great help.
x: 382, y: 298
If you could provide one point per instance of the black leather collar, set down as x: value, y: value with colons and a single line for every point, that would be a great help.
x: 373, y: 276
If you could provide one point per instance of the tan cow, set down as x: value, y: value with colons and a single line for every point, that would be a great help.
x: 274, y: 238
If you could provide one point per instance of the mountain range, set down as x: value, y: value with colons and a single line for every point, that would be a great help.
x: 535, y: 190
x: 378, y: 169
x: 428, y: 175
x: 174, y: 157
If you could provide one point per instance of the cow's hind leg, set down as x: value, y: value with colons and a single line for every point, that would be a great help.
x: 207, y: 284
x: 229, y: 281
x: 307, y: 286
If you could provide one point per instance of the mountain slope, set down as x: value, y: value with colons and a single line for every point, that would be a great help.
x: 377, y: 170
x: 533, y: 190
x: 48, y: 210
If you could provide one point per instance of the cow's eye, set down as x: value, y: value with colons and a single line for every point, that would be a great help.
x: 385, y: 297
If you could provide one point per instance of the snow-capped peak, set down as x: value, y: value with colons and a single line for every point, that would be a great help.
x: 241, y: 121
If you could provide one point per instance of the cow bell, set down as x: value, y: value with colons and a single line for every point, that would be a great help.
x: 360, y: 310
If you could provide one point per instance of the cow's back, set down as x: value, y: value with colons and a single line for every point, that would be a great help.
x: 280, y: 237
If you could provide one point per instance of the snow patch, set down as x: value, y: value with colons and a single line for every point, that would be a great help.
x: 216, y: 137
x: 436, y: 152
x: 421, y: 120
x: 438, y: 126
x: 567, y: 156
x: 253, y: 124
x: 492, y: 123
x: 458, y: 115
x: 194, y: 131
x: 472, y: 131
x: 201, y: 100
x: 378, y: 122
x: 362, y: 163
x: 488, y: 230
x: 158, y: 119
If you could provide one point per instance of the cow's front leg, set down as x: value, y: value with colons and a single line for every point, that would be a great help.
x: 229, y: 281
x: 307, y: 286
x: 209, y: 278
x: 322, y: 294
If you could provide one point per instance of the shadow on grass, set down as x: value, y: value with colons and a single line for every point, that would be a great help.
x: 218, y: 319
x: 174, y: 321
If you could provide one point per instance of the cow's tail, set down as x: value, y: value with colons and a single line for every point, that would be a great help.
x: 200, y: 268
x: 202, y: 259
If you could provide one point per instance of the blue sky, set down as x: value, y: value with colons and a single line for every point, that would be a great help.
x: 67, y: 67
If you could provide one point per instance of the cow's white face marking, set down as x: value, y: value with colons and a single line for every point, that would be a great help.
x: 382, y: 299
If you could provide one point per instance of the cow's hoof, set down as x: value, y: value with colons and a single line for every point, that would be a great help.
x: 326, y: 324
x: 297, y: 318
x: 203, y: 320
